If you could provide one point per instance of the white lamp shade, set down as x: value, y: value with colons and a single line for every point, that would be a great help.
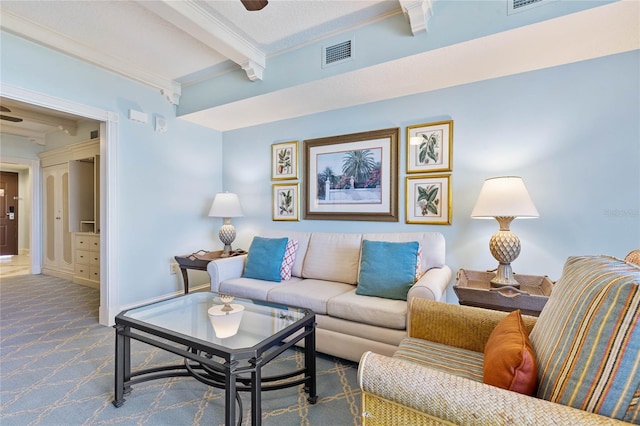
x: 504, y: 197
x: 225, y: 323
x: 225, y: 204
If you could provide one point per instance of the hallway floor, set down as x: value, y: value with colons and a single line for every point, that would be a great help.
x: 11, y: 266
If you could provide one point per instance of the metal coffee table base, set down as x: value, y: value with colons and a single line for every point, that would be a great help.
x: 234, y: 372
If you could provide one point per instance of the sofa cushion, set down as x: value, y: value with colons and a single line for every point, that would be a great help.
x: 369, y: 310
x: 433, y: 245
x: 303, y: 244
x: 250, y: 287
x: 265, y: 258
x: 311, y: 294
x: 509, y: 361
x: 288, y: 259
x: 333, y: 257
x: 387, y: 269
x: 587, y: 338
x: 445, y: 358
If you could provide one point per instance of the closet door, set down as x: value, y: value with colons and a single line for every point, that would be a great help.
x: 57, y: 244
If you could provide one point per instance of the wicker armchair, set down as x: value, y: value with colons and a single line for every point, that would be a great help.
x: 396, y: 391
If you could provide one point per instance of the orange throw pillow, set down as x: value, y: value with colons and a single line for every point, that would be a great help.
x: 509, y: 360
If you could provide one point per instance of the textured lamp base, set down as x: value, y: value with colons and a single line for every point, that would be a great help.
x: 505, y: 248
x: 227, y: 235
x: 504, y: 276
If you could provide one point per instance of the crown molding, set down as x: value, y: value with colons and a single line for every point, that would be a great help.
x: 42, y: 35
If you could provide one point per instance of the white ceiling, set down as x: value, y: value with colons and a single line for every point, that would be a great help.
x: 169, y: 42
x: 166, y: 44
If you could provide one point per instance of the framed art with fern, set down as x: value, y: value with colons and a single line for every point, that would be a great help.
x: 429, y: 200
x: 285, y: 201
x: 430, y: 147
x: 284, y: 160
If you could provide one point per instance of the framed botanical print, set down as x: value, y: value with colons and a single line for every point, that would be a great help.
x: 429, y: 200
x: 430, y: 147
x: 284, y: 161
x: 285, y: 201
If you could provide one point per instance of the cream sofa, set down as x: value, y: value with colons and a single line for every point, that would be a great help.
x: 324, y: 278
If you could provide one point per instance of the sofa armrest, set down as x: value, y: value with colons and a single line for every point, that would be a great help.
x: 432, y: 284
x: 394, y: 389
x: 225, y: 268
x: 455, y: 325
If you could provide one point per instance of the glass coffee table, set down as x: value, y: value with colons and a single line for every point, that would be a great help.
x: 221, y: 341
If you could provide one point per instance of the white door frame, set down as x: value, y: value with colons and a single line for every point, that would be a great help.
x: 109, y: 291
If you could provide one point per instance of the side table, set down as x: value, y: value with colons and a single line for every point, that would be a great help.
x: 474, y: 289
x: 197, y: 261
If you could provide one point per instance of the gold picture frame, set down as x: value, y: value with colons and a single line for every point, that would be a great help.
x: 352, y: 177
x: 430, y: 147
x: 284, y: 160
x: 285, y: 202
x: 428, y: 200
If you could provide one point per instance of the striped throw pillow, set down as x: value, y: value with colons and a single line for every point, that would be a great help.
x: 587, y: 338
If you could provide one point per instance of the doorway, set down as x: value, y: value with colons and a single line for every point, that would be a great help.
x: 109, y: 293
x: 9, y: 214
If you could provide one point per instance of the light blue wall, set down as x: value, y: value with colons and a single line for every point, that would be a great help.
x: 165, y: 181
x: 571, y: 132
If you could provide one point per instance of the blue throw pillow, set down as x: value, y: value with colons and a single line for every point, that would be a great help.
x: 265, y: 258
x: 387, y: 269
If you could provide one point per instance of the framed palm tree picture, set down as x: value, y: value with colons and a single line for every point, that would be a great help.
x: 352, y: 177
x: 285, y: 201
x: 430, y: 147
x: 429, y: 200
x: 284, y: 160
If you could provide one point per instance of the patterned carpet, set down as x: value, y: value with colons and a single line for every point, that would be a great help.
x: 56, y: 368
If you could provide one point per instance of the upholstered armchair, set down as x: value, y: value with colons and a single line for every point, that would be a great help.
x: 585, y: 346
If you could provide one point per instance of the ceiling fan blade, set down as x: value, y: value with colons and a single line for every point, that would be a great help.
x: 252, y: 5
x: 4, y: 109
x: 12, y: 119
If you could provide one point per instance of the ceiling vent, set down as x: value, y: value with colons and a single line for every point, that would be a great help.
x: 516, y: 6
x: 337, y: 53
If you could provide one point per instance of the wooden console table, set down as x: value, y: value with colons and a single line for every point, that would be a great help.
x: 474, y: 289
x: 197, y: 261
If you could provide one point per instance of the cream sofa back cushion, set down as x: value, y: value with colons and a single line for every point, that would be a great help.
x: 433, y: 245
x: 333, y: 257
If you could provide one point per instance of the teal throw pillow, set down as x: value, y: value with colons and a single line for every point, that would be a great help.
x: 265, y: 258
x: 387, y: 269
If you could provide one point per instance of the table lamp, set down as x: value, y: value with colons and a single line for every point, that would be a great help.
x: 226, y: 206
x: 504, y: 198
x: 226, y: 318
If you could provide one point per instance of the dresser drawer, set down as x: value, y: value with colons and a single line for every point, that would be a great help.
x: 84, y: 257
x: 82, y: 271
x: 94, y: 273
x: 87, y: 242
x: 94, y: 258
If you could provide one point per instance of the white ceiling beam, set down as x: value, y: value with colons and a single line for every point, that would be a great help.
x: 563, y: 40
x: 418, y: 12
x: 70, y: 127
x: 32, y: 135
x: 40, y: 34
x: 194, y: 20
